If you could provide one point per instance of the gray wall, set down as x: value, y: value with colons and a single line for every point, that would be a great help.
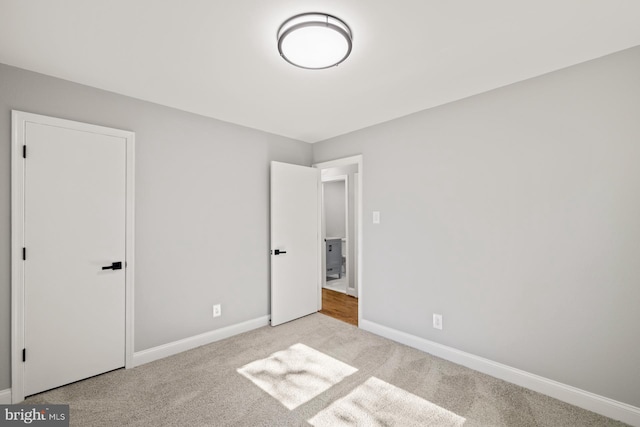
x: 516, y: 215
x: 334, y: 209
x: 201, y: 207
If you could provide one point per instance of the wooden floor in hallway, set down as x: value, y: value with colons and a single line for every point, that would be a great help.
x: 340, y: 306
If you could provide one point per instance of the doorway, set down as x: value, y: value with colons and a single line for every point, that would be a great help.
x: 72, y: 252
x: 340, y: 292
x: 336, y: 222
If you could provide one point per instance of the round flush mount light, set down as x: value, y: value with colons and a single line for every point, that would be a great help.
x: 314, y: 41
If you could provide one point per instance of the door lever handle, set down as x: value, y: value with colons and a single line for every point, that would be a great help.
x: 278, y: 252
x: 113, y: 266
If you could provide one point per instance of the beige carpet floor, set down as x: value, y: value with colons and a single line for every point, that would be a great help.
x: 253, y: 379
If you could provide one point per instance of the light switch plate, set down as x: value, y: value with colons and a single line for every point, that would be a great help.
x: 376, y: 217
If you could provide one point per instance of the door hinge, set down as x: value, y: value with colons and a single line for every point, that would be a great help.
x: 24, y: 151
x: 24, y: 254
x: 24, y: 354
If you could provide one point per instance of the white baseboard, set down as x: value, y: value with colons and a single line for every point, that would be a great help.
x: 165, y: 350
x: 5, y: 397
x: 575, y: 396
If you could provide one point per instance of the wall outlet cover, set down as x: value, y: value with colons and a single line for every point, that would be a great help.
x: 376, y: 217
x: 217, y: 310
x: 437, y: 321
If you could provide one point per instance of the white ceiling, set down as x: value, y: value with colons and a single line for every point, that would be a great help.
x: 219, y: 58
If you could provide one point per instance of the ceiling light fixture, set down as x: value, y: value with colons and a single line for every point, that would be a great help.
x: 314, y: 41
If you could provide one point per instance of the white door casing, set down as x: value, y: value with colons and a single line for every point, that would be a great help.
x: 358, y: 210
x: 72, y: 200
x: 294, y: 230
x: 356, y: 226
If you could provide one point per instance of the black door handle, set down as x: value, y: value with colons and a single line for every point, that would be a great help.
x: 278, y: 252
x: 113, y: 266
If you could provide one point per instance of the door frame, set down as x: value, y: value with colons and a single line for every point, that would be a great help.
x: 19, y: 119
x: 358, y: 185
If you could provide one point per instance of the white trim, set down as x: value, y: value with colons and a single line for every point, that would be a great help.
x: 333, y: 178
x: 18, y: 124
x: 347, y: 239
x: 169, y: 349
x: 356, y: 220
x: 322, y: 259
x: 359, y: 182
x: 17, y: 266
x: 566, y: 393
x: 130, y: 252
x: 5, y: 397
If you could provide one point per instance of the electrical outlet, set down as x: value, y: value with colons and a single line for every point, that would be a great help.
x: 376, y: 217
x: 437, y: 321
x: 217, y: 310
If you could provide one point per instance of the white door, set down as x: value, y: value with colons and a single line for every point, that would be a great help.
x: 75, y: 209
x: 294, y: 241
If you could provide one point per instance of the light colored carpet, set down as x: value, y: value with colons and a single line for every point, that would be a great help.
x: 377, y: 403
x: 393, y: 385
x: 296, y: 375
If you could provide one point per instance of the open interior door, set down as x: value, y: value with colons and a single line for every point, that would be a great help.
x: 294, y: 241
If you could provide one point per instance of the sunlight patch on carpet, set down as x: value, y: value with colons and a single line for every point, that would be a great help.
x: 378, y: 403
x: 296, y: 375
